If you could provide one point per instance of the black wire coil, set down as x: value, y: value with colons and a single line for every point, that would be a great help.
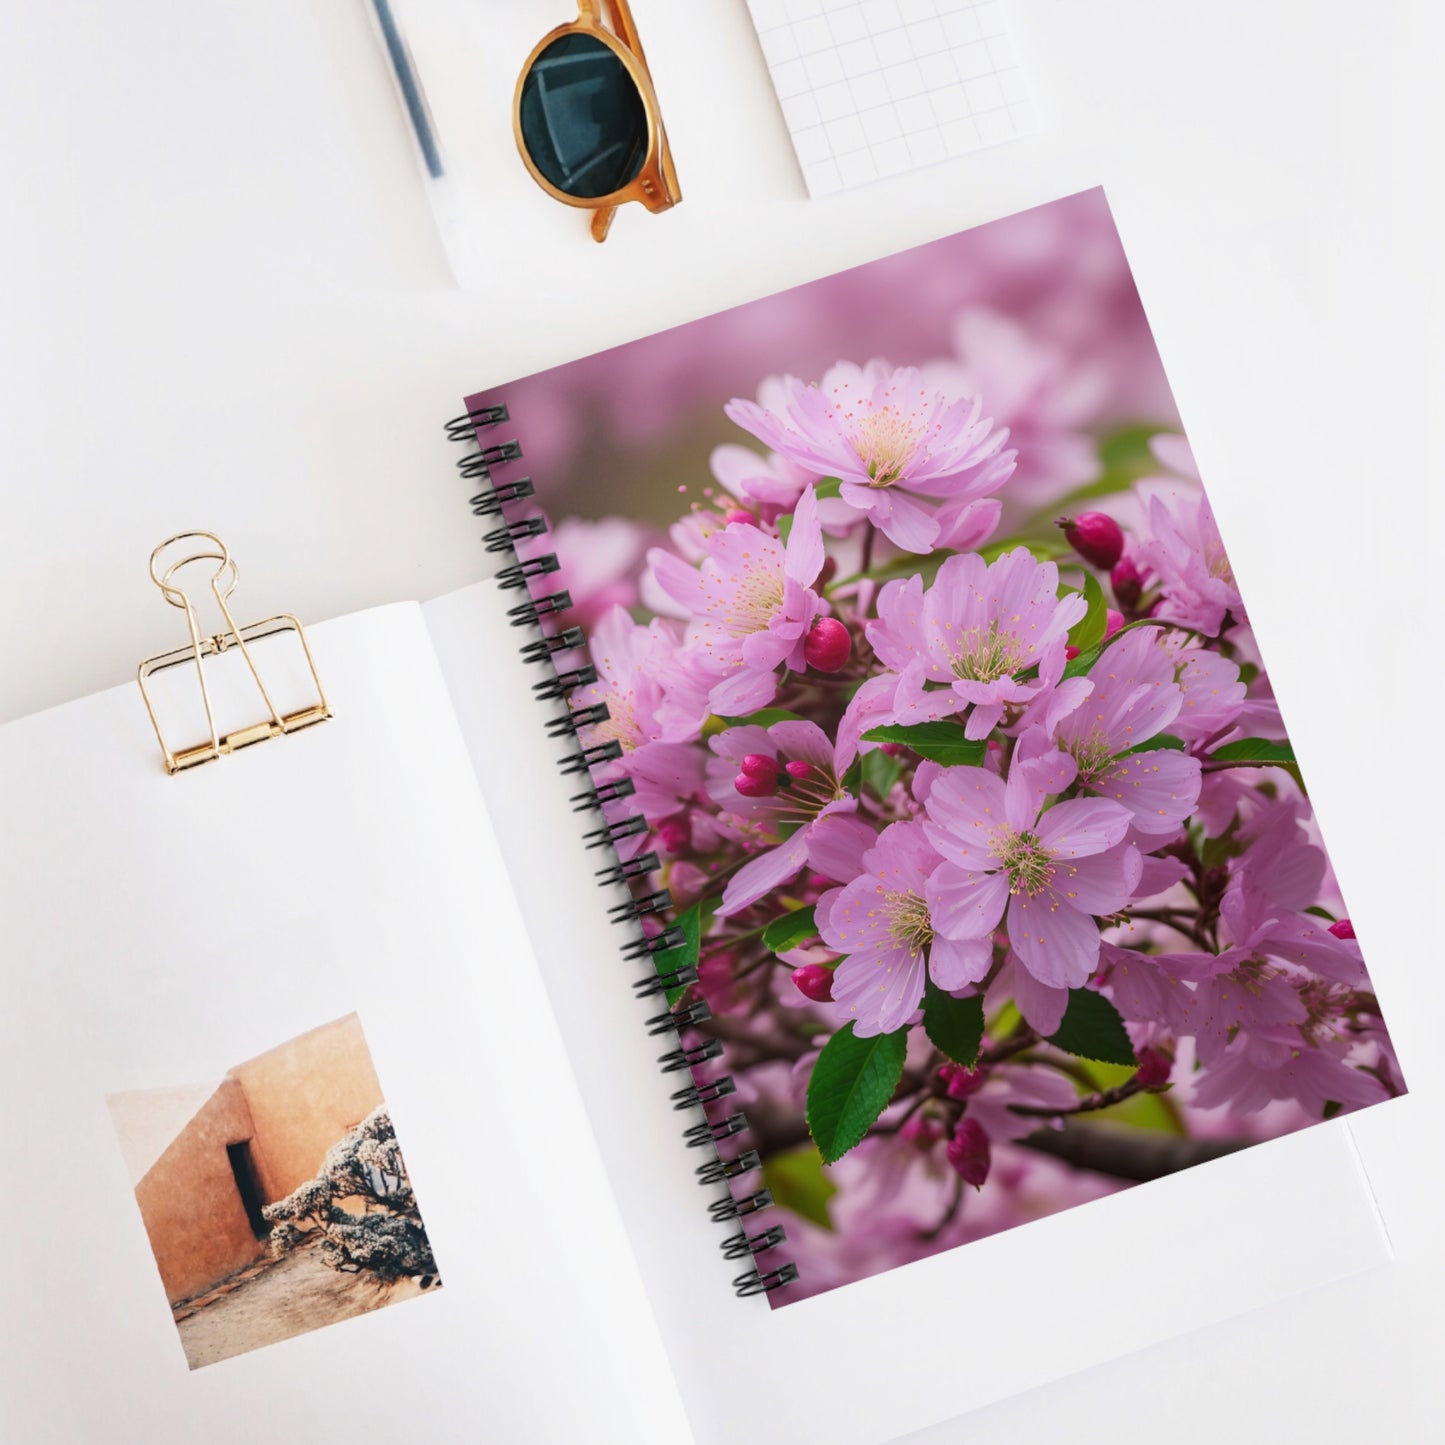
x: 666, y: 978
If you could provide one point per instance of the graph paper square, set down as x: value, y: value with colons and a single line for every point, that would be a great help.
x: 873, y: 88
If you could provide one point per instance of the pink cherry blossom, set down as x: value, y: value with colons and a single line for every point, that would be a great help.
x: 808, y: 819
x: 773, y: 486
x: 881, y: 922
x: 752, y: 603
x: 989, y: 638
x: 887, y: 436
x: 1049, y: 872
x: 1182, y: 553
x: 1303, y: 1058
x: 652, y: 728
x: 1213, y: 695
x: 1134, y: 698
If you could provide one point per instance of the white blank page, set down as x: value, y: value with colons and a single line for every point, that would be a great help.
x: 872, y: 88
x: 157, y: 930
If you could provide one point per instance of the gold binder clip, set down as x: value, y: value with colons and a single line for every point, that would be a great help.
x: 223, y: 583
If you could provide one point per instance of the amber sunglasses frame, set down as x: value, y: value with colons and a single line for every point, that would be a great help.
x: 655, y: 185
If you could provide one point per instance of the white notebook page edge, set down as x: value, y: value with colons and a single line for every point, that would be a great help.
x: 158, y: 930
x: 1114, y: 1276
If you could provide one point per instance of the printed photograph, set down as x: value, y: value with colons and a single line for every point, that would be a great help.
x: 275, y: 1196
x: 990, y: 863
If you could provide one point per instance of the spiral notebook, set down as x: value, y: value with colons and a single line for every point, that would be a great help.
x: 334, y: 1060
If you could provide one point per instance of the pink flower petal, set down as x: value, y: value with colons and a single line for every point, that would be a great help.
x: 955, y: 963
x: 1056, y: 943
x: 1082, y: 826
x: 965, y: 905
x: 758, y: 878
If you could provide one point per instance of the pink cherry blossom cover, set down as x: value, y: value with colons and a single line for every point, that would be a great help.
x: 961, y: 765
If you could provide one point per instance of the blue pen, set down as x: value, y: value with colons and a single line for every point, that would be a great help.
x: 454, y: 210
x: 412, y: 96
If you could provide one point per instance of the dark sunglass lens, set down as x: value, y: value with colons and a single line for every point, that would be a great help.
x: 583, y: 122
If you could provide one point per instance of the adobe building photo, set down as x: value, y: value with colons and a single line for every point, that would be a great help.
x: 275, y: 1196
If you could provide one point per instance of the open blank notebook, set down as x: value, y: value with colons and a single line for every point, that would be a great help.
x: 872, y: 88
x: 383, y: 931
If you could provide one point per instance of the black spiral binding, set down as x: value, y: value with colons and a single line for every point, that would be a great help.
x: 643, y: 912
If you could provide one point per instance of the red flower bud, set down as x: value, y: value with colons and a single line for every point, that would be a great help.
x: 968, y: 1152
x: 827, y: 646
x: 814, y: 981
x: 760, y: 765
x: 1113, y: 621
x: 1155, y: 1066
x: 1343, y: 929
x: 1095, y: 536
x: 958, y: 1082
x: 1128, y: 584
x: 760, y: 787
x: 1070, y: 652
x: 736, y: 514
x: 798, y: 769
x: 675, y: 836
x: 922, y: 1132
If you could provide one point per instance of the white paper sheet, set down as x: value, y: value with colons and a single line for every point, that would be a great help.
x: 890, y: 1354
x: 157, y: 930
x: 873, y: 88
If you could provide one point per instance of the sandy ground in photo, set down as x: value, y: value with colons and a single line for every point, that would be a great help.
x: 294, y: 1295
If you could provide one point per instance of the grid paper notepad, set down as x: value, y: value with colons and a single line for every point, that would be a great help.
x: 872, y: 88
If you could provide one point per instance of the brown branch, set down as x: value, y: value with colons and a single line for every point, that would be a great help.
x: 1016, y: 1043
x: 1087, y: 1105
x: 1136, y: 1154
x: 1162, y: 915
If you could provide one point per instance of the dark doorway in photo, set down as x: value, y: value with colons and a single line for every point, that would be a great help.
x: 248, y: 1182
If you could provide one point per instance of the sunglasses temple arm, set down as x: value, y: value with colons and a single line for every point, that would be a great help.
x: 621, y: 22
x: 602, y: 222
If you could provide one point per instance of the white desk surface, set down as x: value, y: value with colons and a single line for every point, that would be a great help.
x: 224, y: 305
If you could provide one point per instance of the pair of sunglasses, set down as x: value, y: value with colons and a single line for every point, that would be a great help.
x: 586, y: 118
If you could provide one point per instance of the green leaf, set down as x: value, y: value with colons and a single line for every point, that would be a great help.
x: 797, y: 1182
x: 1332, y: 1107
x: 1088, y: 631
x: 852, y: 1081
x: 790, y: 930
x: 880, y: 771
x: 1162, y: 740
x: 939, y: 742
x: 828, y: 487
x: 1254, y: 750
x: 954, y: 1025
x: 1092, y: 1029
x: 763, y: 718
x: 685, y: 955
x: 785, y: 525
